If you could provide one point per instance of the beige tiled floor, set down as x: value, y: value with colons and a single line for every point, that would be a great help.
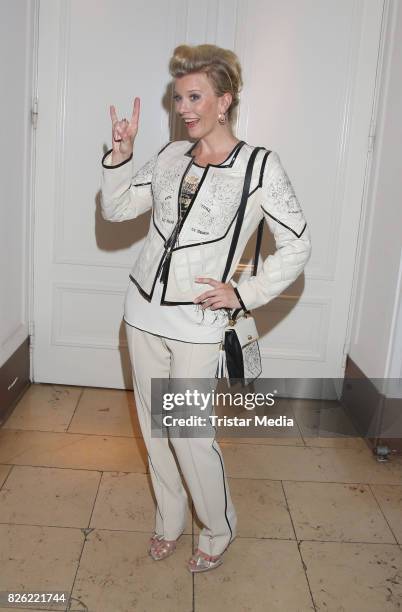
x: 319, y: 519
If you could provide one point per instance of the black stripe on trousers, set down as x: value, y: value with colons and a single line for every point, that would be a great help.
x: 224, y: 488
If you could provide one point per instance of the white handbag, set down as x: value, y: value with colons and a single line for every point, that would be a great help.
x: 239, y: 353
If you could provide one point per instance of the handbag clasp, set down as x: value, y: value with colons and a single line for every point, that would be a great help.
x: 233, y: 320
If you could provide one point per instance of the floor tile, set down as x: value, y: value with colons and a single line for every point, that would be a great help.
x: 261, y: 509
x: 267, y: 440
x: 354, y: 577
x: 44, y: 408
x: 116, y: 573
x: 61, y: 608
x: 389, y: 498
x: 105, y: 453
x: 49, y: 607
x: 55, y: 480
x: 4, y: 472
x: 336, y: 442
x: 308, y: 463
x: 125, y: 501
x: 333, y: 511
x: 106, y: 411
x: 322, y: 417
x: 325, y: 423
x: 38, y: 558
x: 256, y: 576
x: 48, y: 496
x: 260, y: 434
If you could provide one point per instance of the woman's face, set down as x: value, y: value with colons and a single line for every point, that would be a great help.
x: 195, y: 100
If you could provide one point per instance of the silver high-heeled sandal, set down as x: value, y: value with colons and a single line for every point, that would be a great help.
x: 161, y: 548
x: 201, y: 562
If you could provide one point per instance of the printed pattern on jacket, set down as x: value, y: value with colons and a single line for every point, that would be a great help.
x: 206, y: 229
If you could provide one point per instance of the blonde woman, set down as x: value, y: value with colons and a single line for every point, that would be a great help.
x: 179, y: 292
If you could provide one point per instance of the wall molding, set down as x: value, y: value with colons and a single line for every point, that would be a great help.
x: 58, y: 338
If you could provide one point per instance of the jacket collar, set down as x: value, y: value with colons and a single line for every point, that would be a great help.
x: 233, y: 154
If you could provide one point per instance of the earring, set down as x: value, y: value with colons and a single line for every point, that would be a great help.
x: 222, y: 118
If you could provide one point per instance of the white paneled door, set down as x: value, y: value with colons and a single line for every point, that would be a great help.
x: 309, y: 71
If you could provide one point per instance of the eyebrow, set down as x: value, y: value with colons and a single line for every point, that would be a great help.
x: 188, y: 91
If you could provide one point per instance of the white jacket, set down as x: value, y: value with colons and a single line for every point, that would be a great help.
x: 206, y: 229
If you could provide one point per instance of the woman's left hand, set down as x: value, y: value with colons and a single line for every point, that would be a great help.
x: 221, y: 296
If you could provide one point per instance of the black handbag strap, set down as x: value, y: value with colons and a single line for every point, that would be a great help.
x: 236, y: 233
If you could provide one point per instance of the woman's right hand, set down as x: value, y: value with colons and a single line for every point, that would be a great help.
x: 124, y: 133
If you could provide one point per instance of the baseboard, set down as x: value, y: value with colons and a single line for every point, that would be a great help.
x: 377, y: 418
x: 14, y: 379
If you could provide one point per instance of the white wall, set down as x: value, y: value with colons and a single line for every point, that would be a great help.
x: 377, y: 314
x: 16, y: 71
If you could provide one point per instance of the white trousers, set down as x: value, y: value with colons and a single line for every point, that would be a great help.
x: 200, y: 459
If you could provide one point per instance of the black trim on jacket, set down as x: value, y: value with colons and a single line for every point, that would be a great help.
x: 117, y: 165
x: 284, y: 224
x: 156, y: 227
x: 140, y: 289
x: 168, y: 303
x: 193, y: 244
x: 235, y: 152
x: 237, y: 146
x: 169, y: 337
x: 194, y: 196
x: 180, y: 222
x: 129, y: 159
x: 264, y: 161
x: 165, y: 146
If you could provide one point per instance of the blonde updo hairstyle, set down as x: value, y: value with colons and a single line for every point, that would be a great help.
x: 222, y: 66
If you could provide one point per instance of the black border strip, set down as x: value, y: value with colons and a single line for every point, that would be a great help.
x: 217, y: 342
x: 166, y: 145
x: 244, y: 195
x: 284, y: 224
x: 193, y: 198
x: 117, y: 165
x: 128, y: 159
x: 140, y: 289
x: 241, y: 211
x: 264, y: 161
x: 234, y: 152
x: 188, y: 246
x: 157, y: 228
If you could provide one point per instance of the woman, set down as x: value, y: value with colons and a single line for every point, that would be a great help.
x: 176, y: 303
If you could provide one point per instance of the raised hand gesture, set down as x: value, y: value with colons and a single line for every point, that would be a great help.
x: 124, y: 132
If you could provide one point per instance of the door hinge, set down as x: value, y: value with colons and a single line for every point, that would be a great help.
x: 371, y: 137
x: 31, y: 332
x: 34, y: 113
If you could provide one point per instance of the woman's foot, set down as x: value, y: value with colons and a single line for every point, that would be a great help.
x: 201, y: 562
x: 161, y: 548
